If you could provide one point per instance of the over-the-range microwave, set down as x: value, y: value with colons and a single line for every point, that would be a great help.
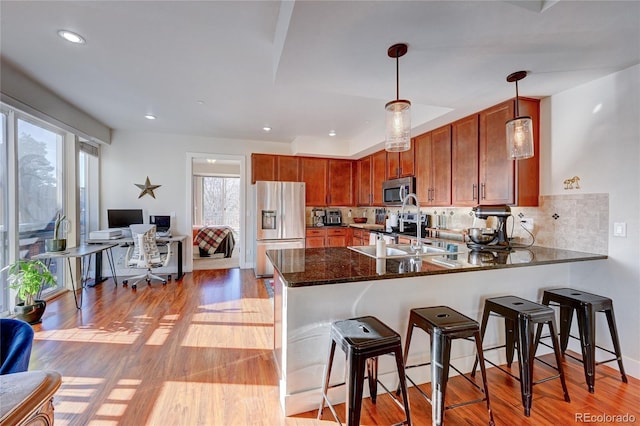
x: 394, y: 189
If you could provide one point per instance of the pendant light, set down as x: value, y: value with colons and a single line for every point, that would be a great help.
x: 519, y: 129
x: 398, y: 116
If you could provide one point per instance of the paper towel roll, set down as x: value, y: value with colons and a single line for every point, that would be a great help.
x: 393, y: 220
x: 381, y: 266
x: 381, y: 247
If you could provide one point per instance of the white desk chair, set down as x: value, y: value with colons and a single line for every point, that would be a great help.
x: 144, y: 254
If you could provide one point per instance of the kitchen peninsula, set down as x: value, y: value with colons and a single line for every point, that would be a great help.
x: 314, y: 287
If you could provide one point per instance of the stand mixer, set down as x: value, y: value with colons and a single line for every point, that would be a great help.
x: 490, y: 239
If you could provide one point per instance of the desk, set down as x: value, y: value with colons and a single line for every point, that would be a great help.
x: 81, y: 252
x: 128, y: 241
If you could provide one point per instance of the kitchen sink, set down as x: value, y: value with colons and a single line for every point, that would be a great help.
x: 400, y: 250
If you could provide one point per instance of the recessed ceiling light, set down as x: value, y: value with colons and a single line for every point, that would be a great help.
x: 332, y: 133
x: 266, y: 128
x: 150, y: 116
x: 71, y: 36
x: 200, y: 102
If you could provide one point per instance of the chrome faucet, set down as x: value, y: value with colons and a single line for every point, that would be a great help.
x: 418, y: 242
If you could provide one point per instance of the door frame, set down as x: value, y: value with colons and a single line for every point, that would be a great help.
x: 189, y: 204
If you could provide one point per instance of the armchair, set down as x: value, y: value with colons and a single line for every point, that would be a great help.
x: 15, y: 345
x: 144, y: 254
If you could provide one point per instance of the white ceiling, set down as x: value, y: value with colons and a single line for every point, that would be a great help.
x: 307, y: 67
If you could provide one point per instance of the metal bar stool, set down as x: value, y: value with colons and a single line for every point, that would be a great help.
x: 443, y: 324
x: 520, y: 317
x: 585, y: 305
x: 363, y: 339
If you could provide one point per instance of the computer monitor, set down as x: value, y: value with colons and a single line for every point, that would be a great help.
x: 122, y: 218
x: 163, y: 223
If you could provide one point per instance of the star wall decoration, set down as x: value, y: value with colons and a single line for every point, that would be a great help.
x: 147, y: 188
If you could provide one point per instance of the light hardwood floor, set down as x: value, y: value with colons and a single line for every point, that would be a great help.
x: 198, y: 352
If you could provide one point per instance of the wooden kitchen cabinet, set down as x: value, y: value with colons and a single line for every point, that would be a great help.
x: 263, y: 167
x: 482, y: 171
x: 401, y: 164
x: 378, y: 176
x: 315, y: 237
x: 328, y: 237
x: 465, y: 161
x: 337, y: 237
x: 313, y: 172
x: 340, y: 183
x: 365, y: 196
x: 433, y: 167
x: 496, y: 168
x: 287, y: 168
x: 360, y: 237
x: 370, y: 174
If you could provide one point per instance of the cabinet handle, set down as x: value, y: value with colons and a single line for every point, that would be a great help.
x: 473, y: 192
x: 483, y: 191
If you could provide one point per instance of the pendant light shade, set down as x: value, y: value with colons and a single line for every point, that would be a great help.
x: 519, y: 129
x: 398, y: 112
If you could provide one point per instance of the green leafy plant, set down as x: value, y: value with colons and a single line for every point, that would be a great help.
x: 29, y: 277
x: 56, y: 230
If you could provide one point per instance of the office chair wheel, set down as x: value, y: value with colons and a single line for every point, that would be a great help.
x: 169, y: 278
x: 164, y: 282
x: 124, y: 283
x: 134, y: 286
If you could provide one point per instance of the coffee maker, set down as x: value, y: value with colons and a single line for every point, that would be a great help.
x: 317, y: 215
x: 500, y: 240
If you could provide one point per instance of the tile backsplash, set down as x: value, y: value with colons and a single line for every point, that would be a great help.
x: 577, y: 222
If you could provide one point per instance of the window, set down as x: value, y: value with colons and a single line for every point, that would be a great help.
x: 88, y: 184
x: 219, y: 201
x: 40, y: 187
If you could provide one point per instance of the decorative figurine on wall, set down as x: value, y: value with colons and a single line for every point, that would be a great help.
x: 147, y: 188
x: 568, y: 183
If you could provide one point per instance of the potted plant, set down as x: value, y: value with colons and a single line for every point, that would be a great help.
x: 30, y: 277
x: 59, y: 242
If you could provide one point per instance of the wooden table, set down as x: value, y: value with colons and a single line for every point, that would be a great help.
x: 27, y: 398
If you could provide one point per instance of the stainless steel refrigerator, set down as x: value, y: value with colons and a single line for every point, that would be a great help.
x: 280, y: 224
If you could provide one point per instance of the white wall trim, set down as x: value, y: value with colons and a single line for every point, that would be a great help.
x: 190, y: 156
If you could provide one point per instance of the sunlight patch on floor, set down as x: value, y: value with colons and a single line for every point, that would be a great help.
x: 227, y: 336
x: 222, y: 404
x: 254, y: 311
x: 123, y: 335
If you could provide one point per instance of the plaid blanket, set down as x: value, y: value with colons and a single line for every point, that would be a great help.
x: 209, y: 238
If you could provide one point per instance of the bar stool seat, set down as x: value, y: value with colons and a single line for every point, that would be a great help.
x: 363, y: 339
x: 585, y: 305
x: 520, y: 317
x: 444, y: 324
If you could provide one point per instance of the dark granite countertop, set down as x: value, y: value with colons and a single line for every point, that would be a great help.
x: 318, y: 266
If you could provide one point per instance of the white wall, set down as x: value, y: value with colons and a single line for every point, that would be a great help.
x: 132, y: 157
x: 593, y: 131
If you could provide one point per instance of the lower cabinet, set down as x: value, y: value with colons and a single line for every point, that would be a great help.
x: 328, y: 237
x: 360, y: 237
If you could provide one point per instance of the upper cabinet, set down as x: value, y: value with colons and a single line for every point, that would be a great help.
x: 401, y: 164
x: 329, y: 182
x: 465, y: 158
x: 371, y: 173
x: 314, y: 174
x: 464, y: 163
x: 363, y: 176
x: 483, y: 172
x: 263, y: 167
x: 287, y: 168
x: 378, y: 176
x: 274, y: 167
x: 341, y: 183
x: 433, y: 167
